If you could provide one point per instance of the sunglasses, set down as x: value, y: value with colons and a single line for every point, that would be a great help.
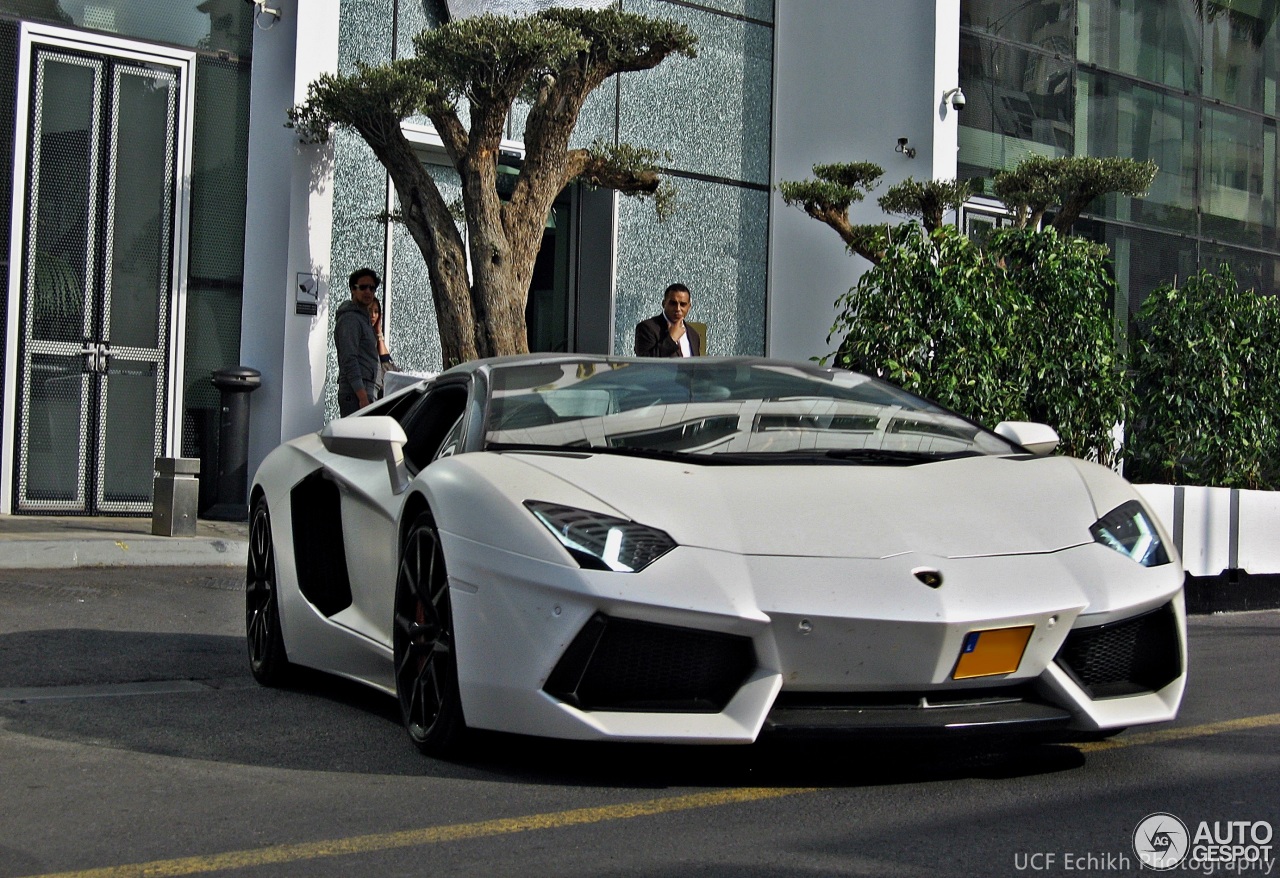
x: 364, y: 286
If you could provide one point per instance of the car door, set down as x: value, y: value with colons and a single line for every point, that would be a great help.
x: 370, y: 510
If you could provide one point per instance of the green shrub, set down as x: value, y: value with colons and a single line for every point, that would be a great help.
x: 935, y: 318
x: 1077, y: 382
x: 1207, y: 364
x: 1017, y: 330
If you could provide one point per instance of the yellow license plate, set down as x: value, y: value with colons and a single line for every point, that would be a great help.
x: 996, y: 651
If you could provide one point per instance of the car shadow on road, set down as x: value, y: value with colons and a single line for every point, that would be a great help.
x: 191, y: 696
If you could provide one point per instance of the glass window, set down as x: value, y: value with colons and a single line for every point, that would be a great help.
x: 1043, y: 23
x: 1158, y: 40
x: 1238, y: 177
x: 212, y: 25
x: 1125, y: 119
x: 216, y: 254
x: 220, y: 159
x: 1241, y: 55
x: 1142, y: 260
x: 1017, y: 93
x: 1253, y: 271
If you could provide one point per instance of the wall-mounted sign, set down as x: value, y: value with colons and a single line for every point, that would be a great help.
x: 468, y: 8
x: 307, y: 294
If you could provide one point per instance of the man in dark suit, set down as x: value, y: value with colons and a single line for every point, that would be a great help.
x: 667, y: 334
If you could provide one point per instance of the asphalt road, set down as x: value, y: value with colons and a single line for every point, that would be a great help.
x: 134, y: 742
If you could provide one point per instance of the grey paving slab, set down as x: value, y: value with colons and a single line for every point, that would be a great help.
x: 53, y: 542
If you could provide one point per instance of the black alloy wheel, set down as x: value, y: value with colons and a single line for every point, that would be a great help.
x: 423, y: 644
x: 267, y: 657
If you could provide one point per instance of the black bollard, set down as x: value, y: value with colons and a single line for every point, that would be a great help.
x: 235, y: 384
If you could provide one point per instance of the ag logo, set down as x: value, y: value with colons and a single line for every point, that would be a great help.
x: 1160, y: 841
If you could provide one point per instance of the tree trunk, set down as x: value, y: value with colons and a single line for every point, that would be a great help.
x: 431, y: 226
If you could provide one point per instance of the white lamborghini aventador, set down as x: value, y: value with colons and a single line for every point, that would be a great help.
x: 704, y: 550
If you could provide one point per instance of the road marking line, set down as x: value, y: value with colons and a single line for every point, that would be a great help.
x: 1160, y: 736
x: 288, y: 853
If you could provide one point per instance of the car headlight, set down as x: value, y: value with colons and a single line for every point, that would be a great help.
x: 1131, y: 532
x: 602, y: 542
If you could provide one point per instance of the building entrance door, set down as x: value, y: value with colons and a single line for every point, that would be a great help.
x: 98, y: 276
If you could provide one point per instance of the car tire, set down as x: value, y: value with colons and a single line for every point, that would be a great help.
x: 268, y: 659
x: 423, y: 644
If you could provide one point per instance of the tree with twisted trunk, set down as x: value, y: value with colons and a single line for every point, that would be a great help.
x: 553, y: 60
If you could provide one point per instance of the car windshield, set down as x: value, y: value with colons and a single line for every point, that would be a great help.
x: 722, y: 411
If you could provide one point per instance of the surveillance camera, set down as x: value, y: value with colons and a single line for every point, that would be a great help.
x: 260, y: 8
x: 957, y: 98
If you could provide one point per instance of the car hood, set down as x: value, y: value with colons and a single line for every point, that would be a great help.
x: 961, y: 508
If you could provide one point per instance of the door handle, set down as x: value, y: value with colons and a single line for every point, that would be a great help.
x: 96, y: 357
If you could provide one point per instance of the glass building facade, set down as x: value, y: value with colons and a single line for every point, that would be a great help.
x: 1190, y: 84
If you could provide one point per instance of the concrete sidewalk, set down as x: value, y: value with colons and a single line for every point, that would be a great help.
x: 50, y: 542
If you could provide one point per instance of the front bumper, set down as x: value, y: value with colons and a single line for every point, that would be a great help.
x: 835, y: 646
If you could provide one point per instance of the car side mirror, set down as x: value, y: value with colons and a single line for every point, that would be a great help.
x: 1039, y: 439
x: 376, y: 437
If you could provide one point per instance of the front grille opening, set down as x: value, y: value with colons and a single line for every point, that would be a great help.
x: 1128, y: 657
x: 626, y: 665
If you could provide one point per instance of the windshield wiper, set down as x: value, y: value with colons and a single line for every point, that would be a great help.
x: 893, y: 457
x: 582, y: 450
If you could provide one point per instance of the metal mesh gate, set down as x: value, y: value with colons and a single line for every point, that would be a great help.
x: 98, y: 280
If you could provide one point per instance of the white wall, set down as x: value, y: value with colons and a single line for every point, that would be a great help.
x: 288, y: 228
x: 849, y: 80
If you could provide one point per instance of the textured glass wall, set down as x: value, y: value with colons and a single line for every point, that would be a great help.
x: 411, y: 18
x: 712, y: 114
x: 716, y: 244
x: 759, y: 10
x: 359, y: 234
x: 1189, y: 84
x: 412, y: 332
x: 598, y: 118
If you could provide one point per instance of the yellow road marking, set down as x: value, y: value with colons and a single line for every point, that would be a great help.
x: 288, y: 853
x: 1160, y: 736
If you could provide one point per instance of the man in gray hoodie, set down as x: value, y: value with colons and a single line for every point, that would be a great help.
x: 357, y: 345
